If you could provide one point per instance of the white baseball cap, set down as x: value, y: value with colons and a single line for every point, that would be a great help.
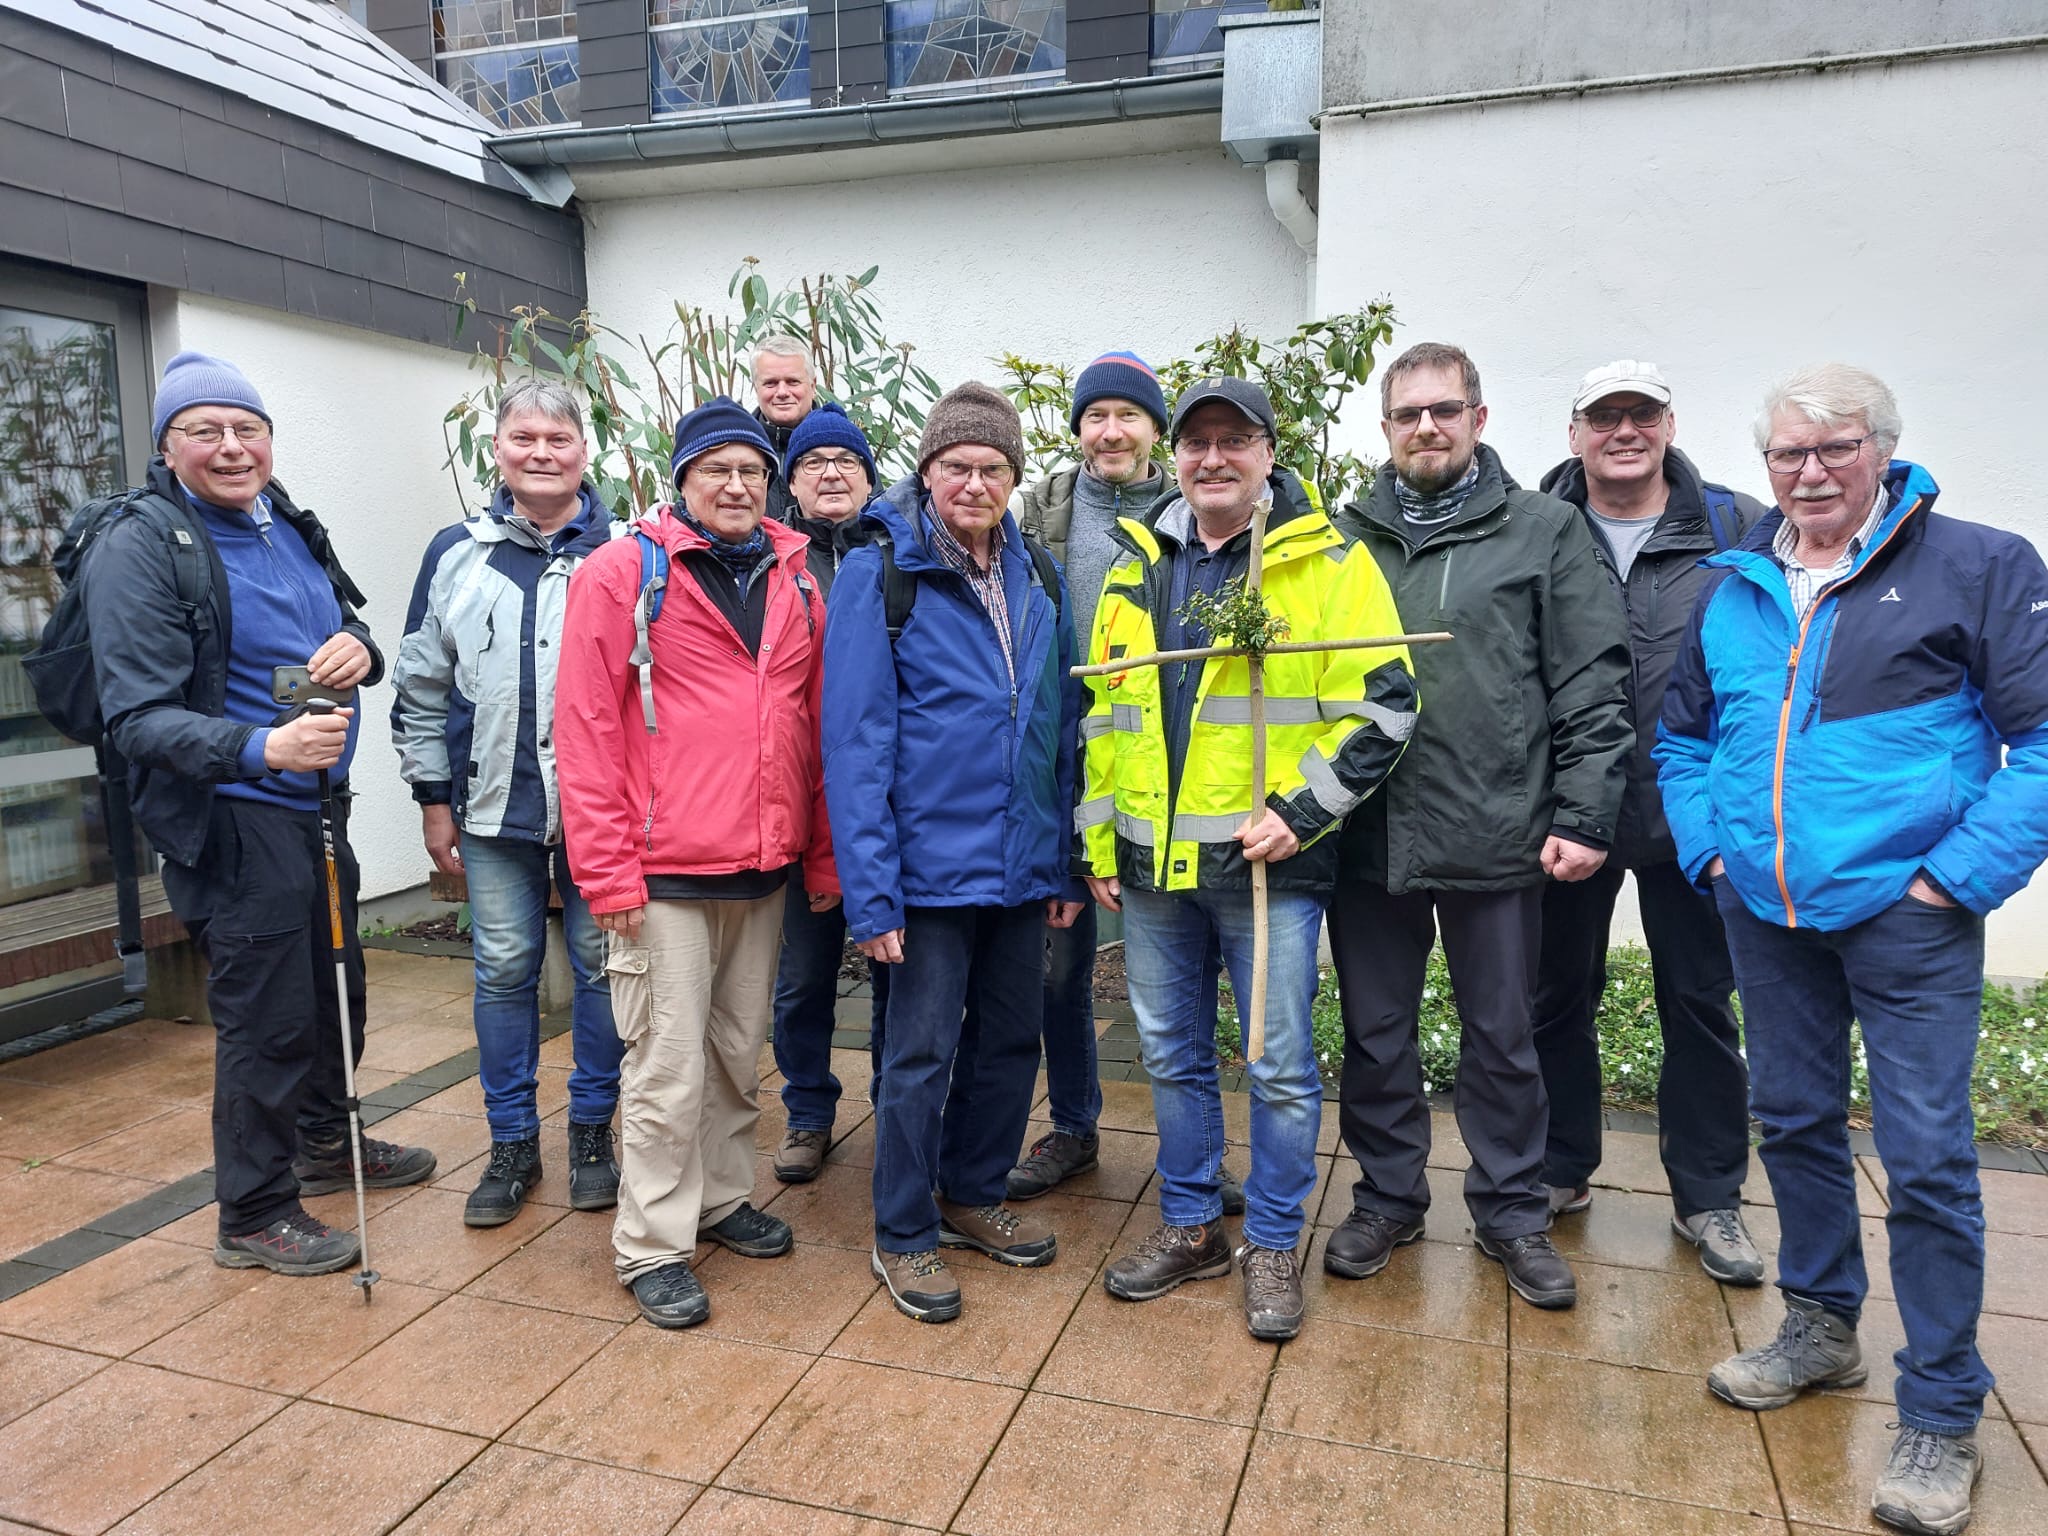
x: 1627, y: 376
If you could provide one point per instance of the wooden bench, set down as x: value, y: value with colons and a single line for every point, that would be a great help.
x: 75, y: 930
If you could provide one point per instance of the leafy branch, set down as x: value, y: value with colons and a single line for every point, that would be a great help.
x: 1235, y: 616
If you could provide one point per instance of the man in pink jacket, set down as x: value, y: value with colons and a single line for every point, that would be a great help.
x: 686, y: 742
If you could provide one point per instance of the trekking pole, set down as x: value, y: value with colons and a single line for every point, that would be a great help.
x: 366, y: 1277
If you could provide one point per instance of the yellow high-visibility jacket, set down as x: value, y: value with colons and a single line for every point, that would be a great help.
x: 1336, y: 721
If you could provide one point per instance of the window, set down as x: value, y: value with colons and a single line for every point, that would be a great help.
x: 1185, y: 35
x: 512, y: 60
x: 954, y: 45
x: 728, y: 55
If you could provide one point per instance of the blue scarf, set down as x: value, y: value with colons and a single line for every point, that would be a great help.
x: 742, y: 559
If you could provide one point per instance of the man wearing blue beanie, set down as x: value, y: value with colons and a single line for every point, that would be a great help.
x: 232, y: 801
x: 830, y: 471
x: 1118, y: 415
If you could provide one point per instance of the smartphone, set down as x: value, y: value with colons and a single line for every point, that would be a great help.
x: 292, y: 686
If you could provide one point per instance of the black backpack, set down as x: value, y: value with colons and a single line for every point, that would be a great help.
x: 899, y: 587
x: 60, y: 668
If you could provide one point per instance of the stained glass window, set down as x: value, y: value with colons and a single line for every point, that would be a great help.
x: 1185, y: 35
x: 960, y: 44
x: 728, y: 55
x: 512, y: 60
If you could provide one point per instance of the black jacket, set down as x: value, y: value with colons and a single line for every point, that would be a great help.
x: 1524, y: 727
x: 781, y: 499
x: 830, y: 544
x: 1658, y: 596
x: 163, y: 679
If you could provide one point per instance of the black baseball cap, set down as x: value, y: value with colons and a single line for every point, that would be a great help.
x: 1244, y: 395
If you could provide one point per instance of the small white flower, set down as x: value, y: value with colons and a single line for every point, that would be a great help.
x: 1626, y: 1069
x: 1429, y: 994
x: 1992, y: 1084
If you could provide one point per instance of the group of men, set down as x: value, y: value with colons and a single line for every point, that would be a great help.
x: 796, y: 707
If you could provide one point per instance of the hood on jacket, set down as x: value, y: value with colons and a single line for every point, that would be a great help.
x: 1684, y: 493
x: 587, y: 532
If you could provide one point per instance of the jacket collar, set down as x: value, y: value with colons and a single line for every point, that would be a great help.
x: 1911, y: 492
x: 666, y: 527
x: 1478, y: 516
x: 1293, y: 517
x: 585, y: 533
x: 1681, y: 526
x: 899, y: 512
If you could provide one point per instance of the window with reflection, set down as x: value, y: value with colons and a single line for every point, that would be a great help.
x: 512, y: 60
x: 1185, y: 35
x: 728, y: 55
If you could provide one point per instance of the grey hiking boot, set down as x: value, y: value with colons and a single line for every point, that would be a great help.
x: 1054, y: 1158
x: 1568, y: 1199
x: 1814, y: 1348
x: 1726, y: 1251
x: 1272, y: 1291
x: 294, y: 1244
x: 1927, y: 1481
x: 593, y: 1170
x: 801, y: 1155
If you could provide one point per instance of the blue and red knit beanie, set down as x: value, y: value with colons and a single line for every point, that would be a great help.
x: 1119, y: 376
x: 827, y: 426
x: 713, y: 424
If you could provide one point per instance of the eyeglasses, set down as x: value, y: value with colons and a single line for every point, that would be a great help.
x: 953, y: 472
x: 1442, y: 412
x: 211, y: 432
x: 749, y: 475
x: 816, y: 464
x: 1605, y: 418
x: 1235, y: 442
x: 1839, y: 454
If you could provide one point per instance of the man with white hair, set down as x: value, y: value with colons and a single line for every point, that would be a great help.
x: 788, y: 392
x: 1854, y: 760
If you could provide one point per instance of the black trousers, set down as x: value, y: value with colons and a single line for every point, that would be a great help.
x: 256, y: 905
x: 1703, y: 1091
x: 1381, y: 944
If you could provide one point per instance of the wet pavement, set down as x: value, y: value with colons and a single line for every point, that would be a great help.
x: 500, y: 1380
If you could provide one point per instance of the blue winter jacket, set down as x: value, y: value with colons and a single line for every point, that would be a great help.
x: 946, y: 787
x: 1828, y: 762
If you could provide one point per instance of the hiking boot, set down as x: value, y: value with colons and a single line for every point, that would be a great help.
x: 1814, y: 1348
x: 294, y: 1244
x: 671, y: 1297
x: 1927, y: 1481
x: 998, y: 1232
x: 1726, y: 1252
x: 508, y: 1179
x: 801, y: 1155
x: 1361, y: 1246
x: 1231, y: 1188
x: 1272, y: 1291
x: 919, y: 1283
x: 386, y: 1165
x: 751, y: 1234
x: 1052, y: 1159
x: 593, y: 1170
x: 1568, y: 1200
x: 1170, y: 1256
x: 1537, y: 1272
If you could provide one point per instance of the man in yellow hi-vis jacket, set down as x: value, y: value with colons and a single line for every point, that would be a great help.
x: 1170, y: 833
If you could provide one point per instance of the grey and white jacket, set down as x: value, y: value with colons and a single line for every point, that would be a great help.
x: 475, y: 675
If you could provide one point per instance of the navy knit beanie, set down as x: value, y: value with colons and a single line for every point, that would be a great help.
x: 828, y: 426
x: 193, y: 378
x: 712, y: 425
x: 1119, y: 376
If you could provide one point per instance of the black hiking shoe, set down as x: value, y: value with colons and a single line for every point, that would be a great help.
x: 294, y: 1244
x: 1231, y: 1189
x: 508, y: 1179
x: 1053, y: 1159
x: 1361, y: 1246
x: 1536, y: 1271
x: 751, y: 1234
x: 671, y: 1297
x: 593, y: 1171
x: 1272, y: 1291
x: 386, y: 1165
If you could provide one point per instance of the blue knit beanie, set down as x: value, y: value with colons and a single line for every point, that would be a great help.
x: 1119, y: 376
x: 712, y: 425
x: 828, y: 427
x: 193, y: 378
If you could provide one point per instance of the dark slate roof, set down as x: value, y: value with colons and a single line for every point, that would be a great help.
x: 302, y: 58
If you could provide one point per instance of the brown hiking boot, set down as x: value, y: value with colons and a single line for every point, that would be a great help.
x: 997, y: 1231
x: 1272, y: 1292
x: 800, y: 1156
x: 1171, y: 1256
x: 919, y: 1283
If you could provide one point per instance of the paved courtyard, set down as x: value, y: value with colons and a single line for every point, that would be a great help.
x: 500, y: 1380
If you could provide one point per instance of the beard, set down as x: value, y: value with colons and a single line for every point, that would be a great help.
x: 1434, y: 482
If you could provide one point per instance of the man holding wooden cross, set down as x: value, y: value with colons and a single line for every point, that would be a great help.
x: 1171, y: 831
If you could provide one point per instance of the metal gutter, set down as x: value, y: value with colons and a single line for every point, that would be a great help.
x: 1817, y: 64
x: 882, y: 122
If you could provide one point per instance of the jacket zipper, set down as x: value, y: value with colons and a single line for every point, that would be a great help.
x: 1443, y: 590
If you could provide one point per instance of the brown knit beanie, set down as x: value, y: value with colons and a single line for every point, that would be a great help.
x: 973, y: 413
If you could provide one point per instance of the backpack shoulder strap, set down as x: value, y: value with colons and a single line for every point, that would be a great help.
x: 646, y: 609
x: 1720, y: 513
x: 1048, y: 572
x: 188, y: 544
x: 899, y: 588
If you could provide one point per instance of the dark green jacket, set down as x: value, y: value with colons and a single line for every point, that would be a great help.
x: 1524, y: 727
x: 1045, y: 508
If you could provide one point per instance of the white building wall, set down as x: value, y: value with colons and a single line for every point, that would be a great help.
x: 358, y: 440
x: 1891, y: 218
x: 1055, y: 261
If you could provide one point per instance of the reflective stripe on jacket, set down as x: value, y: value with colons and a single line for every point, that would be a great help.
x: 1336, y: 721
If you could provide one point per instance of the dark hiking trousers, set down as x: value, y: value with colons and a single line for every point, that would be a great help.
x: 1381, y: 944
x: 1703, y: 1090
x: 256, y: 906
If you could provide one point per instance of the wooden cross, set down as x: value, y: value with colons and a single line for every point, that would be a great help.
x: 1255, y: 1031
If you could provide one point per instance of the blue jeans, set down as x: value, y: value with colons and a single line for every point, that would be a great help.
x: 1168, y: 940
x: 806, y: 989
x: 956, y: 1082
x: 1913, y: 977
x: 508, y: 927
x: 1073, y: 1089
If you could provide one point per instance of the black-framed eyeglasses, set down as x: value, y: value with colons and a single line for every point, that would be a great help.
x: 815, y: 464
x: 1839, y: 454
x: 749, y: 475
x: 1605, y: 418
x: 1442, y: 412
